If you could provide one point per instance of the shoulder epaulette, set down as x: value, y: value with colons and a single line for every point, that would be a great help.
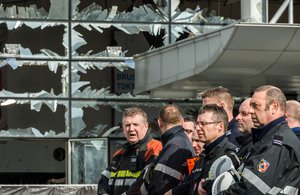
x: 278, y: 140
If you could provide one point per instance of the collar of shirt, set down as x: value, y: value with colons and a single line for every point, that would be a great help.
x: 170, y: 133
x: 296, y: 129
x: 129, y: 146
x: 258, y: 133
x: 209, y: 147
x: 232, y: 124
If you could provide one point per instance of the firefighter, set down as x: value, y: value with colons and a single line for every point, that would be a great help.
x: 211, y: 126
x: 170, y: 167
x: 272, y: 164
x: 127, y: 163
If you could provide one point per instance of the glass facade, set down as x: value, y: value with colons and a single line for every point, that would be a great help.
x: 67, y: 73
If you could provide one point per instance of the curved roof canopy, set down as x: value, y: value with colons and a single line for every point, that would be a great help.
x: 240, y: 57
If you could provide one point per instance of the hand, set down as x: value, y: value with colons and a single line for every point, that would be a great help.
x: 201, y: 191
x: 168, y: 192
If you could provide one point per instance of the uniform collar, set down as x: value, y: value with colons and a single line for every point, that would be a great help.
x: 211, y: 146
x: 244, y: 139
x: 232, y: 124
x: 258, y: 133
x: 129, y: 146
x: 296, y: 129
x: 170, y: 133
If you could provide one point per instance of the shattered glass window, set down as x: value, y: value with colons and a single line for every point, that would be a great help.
x: 115, y: 10
x: 49, y: 40
x: 35, y: 10
x: 33, y: 118
x: 91, y: 40
x: 67, y: 72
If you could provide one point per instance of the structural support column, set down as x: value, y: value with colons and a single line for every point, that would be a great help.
x: 254, y: 11
x: 282, y: 8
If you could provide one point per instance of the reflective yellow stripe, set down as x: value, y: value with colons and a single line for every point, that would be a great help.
x: 113, y: 174
x: 133, y: 174
x: 125, y: 173
x: 121, y: 174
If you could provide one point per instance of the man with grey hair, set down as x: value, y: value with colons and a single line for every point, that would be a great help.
x: 272, y: 163
x: 128, y: 162
x: 245, y: 125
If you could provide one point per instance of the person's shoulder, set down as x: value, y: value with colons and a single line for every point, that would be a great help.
x: 153, y: 143
x: 229, y: 146
x: 286, y: 138
x: 118, y: 152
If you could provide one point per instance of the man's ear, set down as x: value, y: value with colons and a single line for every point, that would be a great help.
x: 275, y: 107
x: 159, y: 123
x: 181, y: 120
x: 222, y: 105
x: 221, y: 125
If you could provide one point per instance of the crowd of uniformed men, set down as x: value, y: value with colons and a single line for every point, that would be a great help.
x: 257, y: 152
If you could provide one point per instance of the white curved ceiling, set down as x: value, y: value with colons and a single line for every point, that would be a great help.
x: 241, y: 57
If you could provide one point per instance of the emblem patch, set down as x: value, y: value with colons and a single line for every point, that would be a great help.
x: 263, y: 165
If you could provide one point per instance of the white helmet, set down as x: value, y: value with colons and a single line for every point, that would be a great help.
x: 225, y: 180
x: 223, y: 172
x: 223, y: 164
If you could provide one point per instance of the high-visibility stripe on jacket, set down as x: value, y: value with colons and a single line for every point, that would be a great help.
x: 272, y: 166
x: 170, y: 167
x: 127, y: 165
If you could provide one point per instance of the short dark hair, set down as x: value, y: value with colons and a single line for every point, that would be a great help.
x: 219, y: 114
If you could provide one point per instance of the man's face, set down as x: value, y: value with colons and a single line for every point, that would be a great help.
x: 259, y: 114
x: 189, y: 128
x: 197, y: 144
x: 134, y: 128
x: 208, y: 130
x: 244, y: 118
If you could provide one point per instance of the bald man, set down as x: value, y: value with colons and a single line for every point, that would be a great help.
x: 292, y: 115
x: 245, y: 125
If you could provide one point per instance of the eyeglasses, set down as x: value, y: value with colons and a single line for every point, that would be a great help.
x: 204, y: 123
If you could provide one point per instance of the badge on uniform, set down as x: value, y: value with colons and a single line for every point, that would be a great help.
x: 263, y: 165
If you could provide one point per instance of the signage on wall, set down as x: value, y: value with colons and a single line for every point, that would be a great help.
x: 124, y: 81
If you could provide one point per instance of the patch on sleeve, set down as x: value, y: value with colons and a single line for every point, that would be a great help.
x: 263, y: 165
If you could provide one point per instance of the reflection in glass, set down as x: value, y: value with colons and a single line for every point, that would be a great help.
x: 88, y: 160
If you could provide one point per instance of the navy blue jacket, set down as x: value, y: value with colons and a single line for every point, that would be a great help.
x: 171, y: 165
x: 233, y: 132
x: 272, y: 163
